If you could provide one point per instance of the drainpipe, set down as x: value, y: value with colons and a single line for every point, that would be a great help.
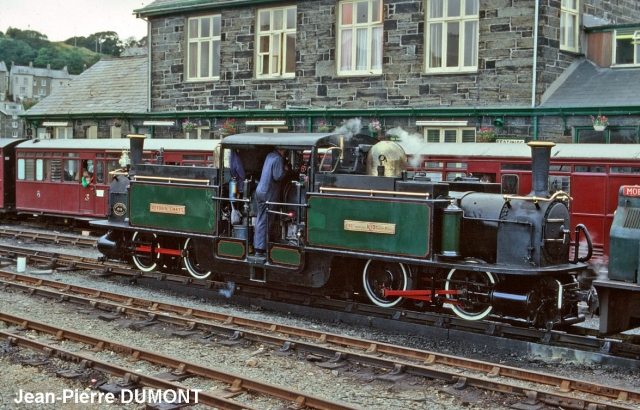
x: 149, y: 63
x: 535, y: 57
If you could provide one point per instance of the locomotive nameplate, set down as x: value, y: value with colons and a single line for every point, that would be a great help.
x: 631, y: 190
x: 373, y: 227
x: 167, y: 209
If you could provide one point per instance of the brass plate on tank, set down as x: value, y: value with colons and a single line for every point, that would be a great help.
x: 372, y: 227
x: 167, y: 209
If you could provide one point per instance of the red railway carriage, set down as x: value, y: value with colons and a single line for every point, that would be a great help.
x: 70, y: 178
x: 590, y: 173
x: 7, y: 176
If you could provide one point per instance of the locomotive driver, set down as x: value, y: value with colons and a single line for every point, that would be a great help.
x: 273, y: 171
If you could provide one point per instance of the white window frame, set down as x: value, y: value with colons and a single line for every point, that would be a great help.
x: 199, y: 43
x: 276, y: 42
x: 62, y: 133
x: 443, y: 133
x: 272, y: 130
x: 43, y: 83
x: 569, y: 24
x: 437, y: 16
x: 350, y: 62
x: 634, y: 37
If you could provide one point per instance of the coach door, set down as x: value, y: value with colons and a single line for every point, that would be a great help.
x: 588, y: 190
x: 86, y: 184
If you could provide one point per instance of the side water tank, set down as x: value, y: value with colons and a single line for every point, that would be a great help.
x: 624, y: 249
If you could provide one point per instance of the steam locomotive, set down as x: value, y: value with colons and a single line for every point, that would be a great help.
x: 353, y: 220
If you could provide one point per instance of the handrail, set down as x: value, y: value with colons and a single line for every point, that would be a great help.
x: 535, y: 199
x: 170, y: 179
x: 371, y: 192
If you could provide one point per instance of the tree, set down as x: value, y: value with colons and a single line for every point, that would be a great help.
x: 35, y: 39
x: 16, y: 51
x: 49, y: 56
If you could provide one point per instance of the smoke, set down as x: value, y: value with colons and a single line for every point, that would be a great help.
x: 411, y: 143
x: 228, y: 292
x: 350, y: 127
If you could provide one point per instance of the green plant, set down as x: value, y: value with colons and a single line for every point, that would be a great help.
x: 188, y: 125
x: 600, y: 120
x: 229, y: 126
x: 323, y: 126
x: 374, y: 126
x: 485, y: 134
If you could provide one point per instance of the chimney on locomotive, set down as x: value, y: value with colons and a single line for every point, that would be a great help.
x: 540, y: 164
x: 136, y: 146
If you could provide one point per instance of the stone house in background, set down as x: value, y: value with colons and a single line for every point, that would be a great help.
x: 10, y: 121
x: 440, y: 68
x: 28, y: 82
x: 4, y: 81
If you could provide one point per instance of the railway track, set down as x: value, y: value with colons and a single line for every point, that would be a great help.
x: 328, y: 350
x: 133, y: 380
x: 621, y: 350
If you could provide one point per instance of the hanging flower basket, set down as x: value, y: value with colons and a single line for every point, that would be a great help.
x: 117, y: 122
x: 229, y: 127
x: 600, y: 122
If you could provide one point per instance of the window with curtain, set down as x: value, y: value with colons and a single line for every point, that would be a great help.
x: 203, y: 48
x: 360, y: 36
x: 627, y: 47
x: 569, y: 24
x: 452, y: 35
x: 276, y: 42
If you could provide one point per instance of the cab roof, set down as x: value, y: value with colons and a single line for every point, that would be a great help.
x: 289, y: 140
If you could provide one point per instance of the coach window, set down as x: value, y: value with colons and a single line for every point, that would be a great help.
x: 40, y: 169
x: 113, y: 161
x: 98, y: 175
x: 71, y: 170
x: 451, y: 176
x: 559, y: 183
x: 624, y: 170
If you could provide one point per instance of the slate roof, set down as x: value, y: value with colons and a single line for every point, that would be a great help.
x: 111, y: 85
x: 3, y: 66
x: 591, y: 86
x: 164, y: 6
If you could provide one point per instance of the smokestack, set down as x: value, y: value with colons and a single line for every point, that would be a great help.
x: 540, y: 163
x: 136, y: 146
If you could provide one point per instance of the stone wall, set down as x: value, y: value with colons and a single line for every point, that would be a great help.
x: 504, y: 77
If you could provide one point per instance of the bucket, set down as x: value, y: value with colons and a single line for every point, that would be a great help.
x: 22, y: 264
x: 242, y: 231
